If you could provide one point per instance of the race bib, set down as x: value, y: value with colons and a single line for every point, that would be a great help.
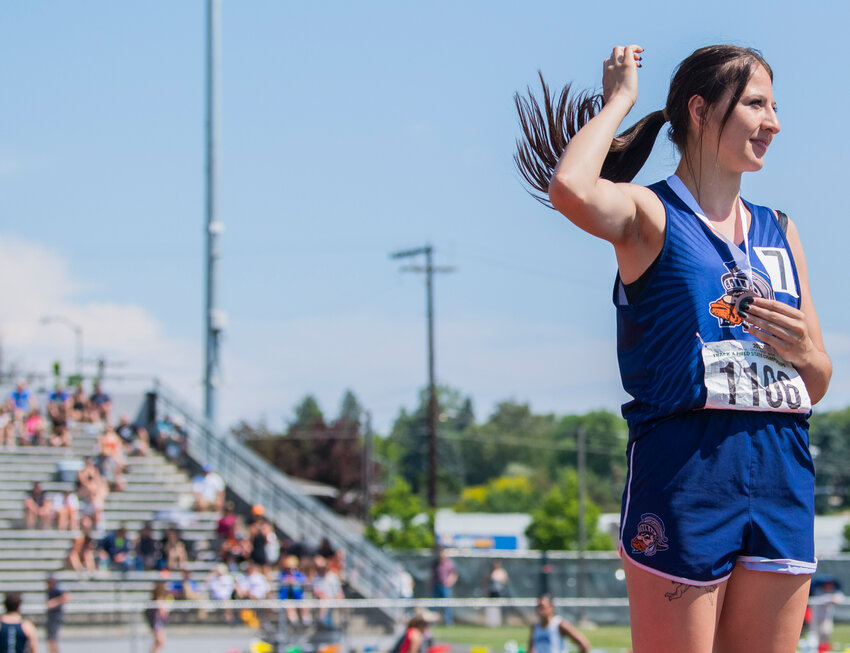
x: 748, y: 375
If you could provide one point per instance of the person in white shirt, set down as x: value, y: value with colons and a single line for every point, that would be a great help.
x: 208, y: 488
x: 547, y: 635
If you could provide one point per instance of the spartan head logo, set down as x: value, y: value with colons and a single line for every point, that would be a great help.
x: 650, y: 538
x: 738, y: 291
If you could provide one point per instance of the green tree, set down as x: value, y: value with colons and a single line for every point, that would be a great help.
x: 512, y: 434
x: 410, y: 435
x: 405, y: 509
x: 606, y: 435
x: 308, y: 415
x: 503, y: 494
x: 350, y: 410
x: 829, y: 437
x: 554, y: 525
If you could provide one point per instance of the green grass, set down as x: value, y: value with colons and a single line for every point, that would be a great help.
x: 610, y: 637
x: 614, y: 637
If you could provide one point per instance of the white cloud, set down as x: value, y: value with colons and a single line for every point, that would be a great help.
x: 37, y: 282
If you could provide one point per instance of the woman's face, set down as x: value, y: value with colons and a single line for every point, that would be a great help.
x: 750, y: 128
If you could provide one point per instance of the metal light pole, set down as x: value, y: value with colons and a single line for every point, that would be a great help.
x: 432, y: 417
x: 78, y: 337
x: 214, y: 318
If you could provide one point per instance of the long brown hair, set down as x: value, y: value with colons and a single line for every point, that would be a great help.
x: 708, y: 72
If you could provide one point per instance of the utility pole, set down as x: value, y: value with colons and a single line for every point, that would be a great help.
x: 214, y: 318
x: 582, y: 526
x: 432, y: 417
x: 368, y: 471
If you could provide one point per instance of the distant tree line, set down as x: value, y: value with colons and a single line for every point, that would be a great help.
x: 514, y: 461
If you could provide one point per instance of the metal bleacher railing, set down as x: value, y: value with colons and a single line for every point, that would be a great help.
x: 370, y: 571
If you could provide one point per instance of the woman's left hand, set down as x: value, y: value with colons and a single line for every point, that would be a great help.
x: 781, y: 326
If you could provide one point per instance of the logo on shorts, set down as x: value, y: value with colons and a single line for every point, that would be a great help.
x: 737, y: 288
x: 650, y: 538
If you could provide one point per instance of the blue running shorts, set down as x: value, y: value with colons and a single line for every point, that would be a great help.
x: 708, y: 489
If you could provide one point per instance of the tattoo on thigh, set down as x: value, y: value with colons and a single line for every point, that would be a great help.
x: 679, y: 590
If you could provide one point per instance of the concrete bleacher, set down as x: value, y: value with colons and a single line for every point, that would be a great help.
x: 156, y: 490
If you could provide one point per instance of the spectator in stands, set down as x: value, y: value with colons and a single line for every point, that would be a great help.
x: 258, y: 544
x: 292, y: 583
x: 257, y: 512
x: 235, y: 550
x: 91, y: 509
x: 56, y: 600
x: 92, y: 490
x: 173, y: 550
x: 81, y: 556
x: 336, y: 563
x: 171, y: 438
x: 253, y: 586
x: 272, y: 543
x: 325, y: 549
x: 110, y: 460
x: 184, y: 588
x: 66, y: 506
x: 20, y: 402
x: 35, y: 429
x: 59, y: 411
x: 326, y: 585
x: 157, y: 616
x: 116, y: 551
x: 100, y: 403
x: 221, y: 586
x: 147, y: 548
x: 37, y: 508
x: 228, y: 522
x: 134, y: 437
x: 80, y: 408
x: 208, y: 488
x: 7, y: 427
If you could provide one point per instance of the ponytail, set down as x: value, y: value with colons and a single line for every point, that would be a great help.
x: 546, y: 133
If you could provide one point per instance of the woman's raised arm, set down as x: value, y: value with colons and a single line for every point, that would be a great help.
x: 598, y: 206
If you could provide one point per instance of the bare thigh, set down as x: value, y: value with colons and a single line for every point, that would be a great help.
x: 762, y: 612
x: 669, y: 616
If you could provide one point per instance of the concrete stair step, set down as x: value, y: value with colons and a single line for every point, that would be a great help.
x: 40, y: 538
x: 58, y: 564
x: 164, y: 476
x: 134, y: 485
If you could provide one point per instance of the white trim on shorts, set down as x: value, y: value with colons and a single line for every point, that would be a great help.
x: 778, y: 565
x: 676, y: 579
x: 625, y: 514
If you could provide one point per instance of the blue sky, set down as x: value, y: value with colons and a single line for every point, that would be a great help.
x: 348, y: 131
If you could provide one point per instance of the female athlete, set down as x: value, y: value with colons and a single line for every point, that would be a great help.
x: 718, y: 344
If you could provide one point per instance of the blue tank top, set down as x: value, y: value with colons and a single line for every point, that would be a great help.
x: 691, y: 297
x: 12, y: 638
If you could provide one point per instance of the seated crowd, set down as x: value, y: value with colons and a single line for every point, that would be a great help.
x: 251, y: 562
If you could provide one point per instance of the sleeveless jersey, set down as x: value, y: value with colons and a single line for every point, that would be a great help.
x: 691, y: 298
x: 548, y: 639
x: 12, y: 638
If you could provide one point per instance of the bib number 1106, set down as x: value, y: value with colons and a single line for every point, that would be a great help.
x: 776, y: 387
x: 744, y: 375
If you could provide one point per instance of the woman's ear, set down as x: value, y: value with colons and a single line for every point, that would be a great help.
x: 697, y: 111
